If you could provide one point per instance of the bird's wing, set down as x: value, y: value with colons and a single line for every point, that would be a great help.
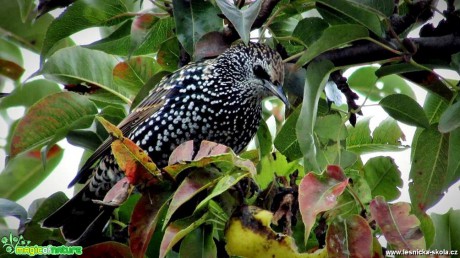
x: 145, y: 109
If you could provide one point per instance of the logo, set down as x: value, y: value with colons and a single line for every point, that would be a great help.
x: 20, y: 246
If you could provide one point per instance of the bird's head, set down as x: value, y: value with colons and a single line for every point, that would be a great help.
x: 262, y: 67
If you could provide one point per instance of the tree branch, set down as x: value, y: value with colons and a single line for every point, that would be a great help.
x: 436, y: 50
x: 430, y: 50
x: 420, y: 11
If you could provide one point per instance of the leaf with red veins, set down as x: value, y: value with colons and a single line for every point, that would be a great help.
x: 318, y: 193
x: 350, y: 237
x: 400, y: 228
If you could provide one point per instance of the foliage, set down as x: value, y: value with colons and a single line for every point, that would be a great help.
x: 209, y: 201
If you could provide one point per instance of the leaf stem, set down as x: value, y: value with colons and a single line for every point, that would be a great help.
x: 294, y: 56
x: 385, y: 46
x: 444, y: 80
x: 355, y: 196
x: 270, y: 20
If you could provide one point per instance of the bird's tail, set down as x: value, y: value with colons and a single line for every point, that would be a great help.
x: 80, y: 219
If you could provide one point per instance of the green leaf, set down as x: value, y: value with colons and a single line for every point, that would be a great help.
x: 429, y: 169
x: 26, y: 7
x: 397, y: 68
x: 384, y: 7
x: 10, y: 52
x: 25, y: 171
x: 29, y: 93
x: 33, y: 230
x: 132, y: 74
x: 330, y: 127
x: 383, y: 177
x: 193, y: 20
x: 264, y: 139
x: 48, y: 206
x: 178, y: 230
x: 358, y: 14
x: 224, y: 183
x: 81, y: 15
x: 333, y: 37
x: 284, y: 27
x: 76, y: 65
x: 405, y: 109
x: 198, y: 243
x: 386, y: 137
x: 242, y: 20
x: 29, y: 34
x: 286, y: 141
x: 50, y: 119
x: 274, y: 165
x: 434, y: 107
x: 453, y: 162
x: 310, y: 29
x: 450, y: 119
x: 119, y: 42
x: 168, y: 55
x: 455, y: 63
x: 447, y: 230
x: 140, y: 28
x: 317, y: 75
x: 10, y: 208
x: 126, y: 209
x: 365, y: 81
x: 85, y: 139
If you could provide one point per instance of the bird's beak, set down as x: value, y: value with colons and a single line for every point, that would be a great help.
x: 277, y: 90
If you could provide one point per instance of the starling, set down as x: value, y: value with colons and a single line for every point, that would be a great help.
x: 217, y: 100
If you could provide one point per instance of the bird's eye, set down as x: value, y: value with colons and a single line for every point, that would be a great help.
x: 260, y: 72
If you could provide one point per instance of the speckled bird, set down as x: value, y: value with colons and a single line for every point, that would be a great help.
x: 217, y: 100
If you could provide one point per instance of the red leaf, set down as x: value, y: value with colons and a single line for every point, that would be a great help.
x: 107, y: 249
x: 170, y: 234
x: 210, y: 45
x: 185, y: 151
x: 144, y: 220
x: 400, y: 228
x: 118, y: 194
x: 192, y: 185
x: 318, y: 193
x: 11, y: 69
x: 350, y: 237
